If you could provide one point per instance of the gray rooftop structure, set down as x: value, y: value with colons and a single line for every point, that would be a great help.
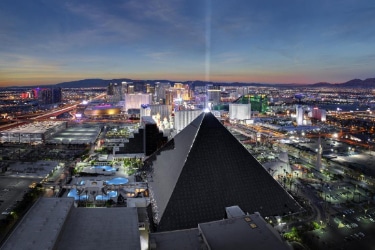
x: 35, y: 132
x: 241, y: 233
x: 54, y: 223
x: 40, y: 227
x: 100, y: 228
x: 205, y: 168
x: 180, y: 239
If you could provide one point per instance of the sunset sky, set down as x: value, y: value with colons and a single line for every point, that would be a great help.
x: 269, y: 41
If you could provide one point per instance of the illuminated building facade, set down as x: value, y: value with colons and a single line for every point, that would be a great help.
x: 299, y: 115
x: 319, y: 114
x: 130, y: 88
x: 163, y: 111
x: 102, y: 111
x: 176, y: 95
x: 134, y: 101
x: 258, y: 102
x: 239, y: 111
x: 115, y: 92
x: 213, y: 95
x: 184, y: 117
x: 160, y: 92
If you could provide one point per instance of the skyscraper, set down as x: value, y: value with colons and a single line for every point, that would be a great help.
x: 115, y: 92
x: 213, y: 95
x: 49, y: 96
x: 134, y: 101
x: 299, y: 115
x: 319, y: 155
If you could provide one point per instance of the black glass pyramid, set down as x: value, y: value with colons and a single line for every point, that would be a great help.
x: 203, y: 171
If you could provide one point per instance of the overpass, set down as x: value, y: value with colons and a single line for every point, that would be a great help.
x: 55, y: 113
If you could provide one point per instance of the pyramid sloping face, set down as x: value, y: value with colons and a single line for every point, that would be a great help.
x: 211, y: 170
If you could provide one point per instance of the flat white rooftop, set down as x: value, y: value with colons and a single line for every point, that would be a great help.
x: 76, y: 135
x: 34, y: 128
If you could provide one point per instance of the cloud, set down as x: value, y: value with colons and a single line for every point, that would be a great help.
x: 159, y: 56
x: 157, y: 22
x: 231, y: 58
x: 19, y: 68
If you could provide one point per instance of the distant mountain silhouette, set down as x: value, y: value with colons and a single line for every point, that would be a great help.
x: 89, y: 83
x: 322, y: 84
x: 82, y: 83
x: 355, y: 83
x: 358, y: 83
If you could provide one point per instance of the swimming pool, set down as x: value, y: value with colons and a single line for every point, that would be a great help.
x: 104, y: 168
x: 117, y: 181
x: 74, y: 194
x: 109, y: 195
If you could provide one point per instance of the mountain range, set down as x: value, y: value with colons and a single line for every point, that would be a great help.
x: 96, y: 83
x: 355, y: 83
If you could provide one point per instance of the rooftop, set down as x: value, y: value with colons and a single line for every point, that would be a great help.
x: 40, y: 228
x: 181, y: 239
x: 76, y: 135
x: 241, y: 233
x: 34, y: 128
x: 100, y: 228
x: 54, y: 223
x: 238, y: 232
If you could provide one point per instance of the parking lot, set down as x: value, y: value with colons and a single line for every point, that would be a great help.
x: 12, y: 190
x: 26, y: 152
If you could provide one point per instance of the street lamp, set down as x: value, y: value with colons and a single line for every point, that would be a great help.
x: 369, y: 145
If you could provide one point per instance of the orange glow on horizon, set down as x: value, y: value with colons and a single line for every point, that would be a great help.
x: 34, y: 80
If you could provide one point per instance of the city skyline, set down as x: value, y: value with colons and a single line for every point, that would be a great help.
x: 48, y: 42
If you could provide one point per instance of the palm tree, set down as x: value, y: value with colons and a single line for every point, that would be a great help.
x: 79, y: 198
x: 347, y: 193
x: 86, y: 198
x: 94, y: 197
x: 291, y: 181
x: 359, y: 196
